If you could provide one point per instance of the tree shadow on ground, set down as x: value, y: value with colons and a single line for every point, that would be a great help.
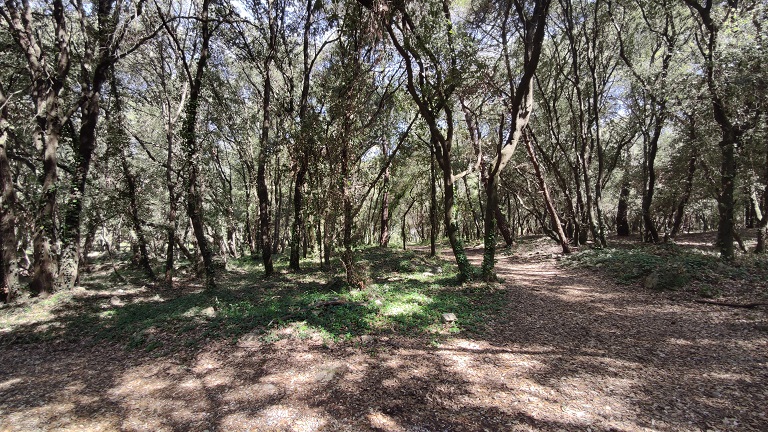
x: 561, y: 349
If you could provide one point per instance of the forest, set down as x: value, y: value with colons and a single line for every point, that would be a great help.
x: 375, y: 169
x: 219, y: 130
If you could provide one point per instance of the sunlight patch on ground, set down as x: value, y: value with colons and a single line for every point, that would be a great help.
x: 383, y: 422
x: 8, y: 384
x: 152, y: 402
x: 249, y: 394
x: 401, y: 308
x: 296, y: 418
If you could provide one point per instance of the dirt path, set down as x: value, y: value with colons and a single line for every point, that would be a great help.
x: 573, y: 352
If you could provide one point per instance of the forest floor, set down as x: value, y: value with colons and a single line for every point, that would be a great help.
x: 574, y: 344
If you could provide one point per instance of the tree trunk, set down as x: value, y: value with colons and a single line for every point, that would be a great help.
x: 8, y: 262
x: 403, y: 227
x: 384, y: 237
x: 687, y: 188
x: 298, y: 228
x: 451, y: 228
x: 432, y: 205
x: 172, y: 224
x: 547, y: 198
x: 346, y: 198
x: 622, y: 221
x: 501, y: 223
x: 119, y: 140
x: 726, y: 201
x: 44, y: 259
x: 90, y: 235
x: 651, y: 234
x: 489, y: 225
x: 136, y: 221
x: 263, y: 195
x: 195, y: 184
x: 277, y: 193
x: 46, y: 87
x: 266, y: 147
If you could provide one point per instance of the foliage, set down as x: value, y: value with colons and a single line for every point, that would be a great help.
x: 664, y: 267
x: 408, y: 296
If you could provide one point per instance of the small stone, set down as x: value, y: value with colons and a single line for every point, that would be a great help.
x: 449, y: 317
x: 115, y: 301
x: 209, y: 312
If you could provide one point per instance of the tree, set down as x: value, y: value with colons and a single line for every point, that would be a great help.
x: 734, y: 119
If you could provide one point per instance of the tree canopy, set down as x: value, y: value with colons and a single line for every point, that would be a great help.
x: 206, y: 130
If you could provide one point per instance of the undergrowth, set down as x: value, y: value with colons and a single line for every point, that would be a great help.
x: 407, y: 295
x: 667, y: 266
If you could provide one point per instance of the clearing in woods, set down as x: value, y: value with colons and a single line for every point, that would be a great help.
x: 554, y: 346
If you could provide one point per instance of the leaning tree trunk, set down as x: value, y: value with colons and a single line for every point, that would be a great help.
x: 117, y: 137
x: 8, y: 242
x: 136, y: 221
x: 547, y: 198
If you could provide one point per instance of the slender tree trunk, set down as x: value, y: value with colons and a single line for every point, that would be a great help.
x: 298, y: 228
x: 687, y: 188
x: 136, y: 221
x: 761, y: 209
x: 547, y: 198
x: 384, y: 237
x: 278, y: 196
x: 263, y: 195
x: 622, y: 222
x: 90, y: 236
x: 725, y: 227
x: 195, y: 184
x: 119, y: 139
x: 432, y: 205
x: 71, y: 234
x: 501, y: 223
x: 8, y: 262
x: 172, y: 224
x: 489, y: 222
x: 404, y: 226
x: 346, y: 198
x: 266, y: 147
x: 651, y: 234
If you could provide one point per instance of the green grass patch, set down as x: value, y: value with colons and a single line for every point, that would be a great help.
x: 407, y: 295
x: 659, y: 267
